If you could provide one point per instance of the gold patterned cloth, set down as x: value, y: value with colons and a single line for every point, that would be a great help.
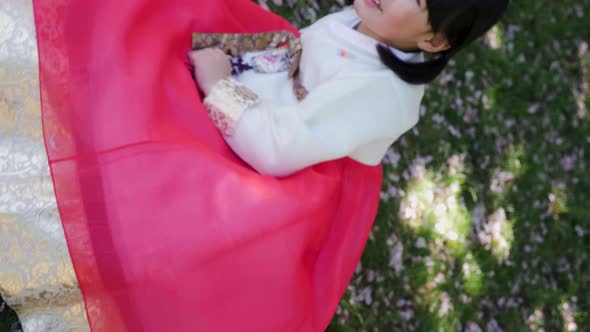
x: 36, y: 274
x: 238, y: 44
x: 227, y: 101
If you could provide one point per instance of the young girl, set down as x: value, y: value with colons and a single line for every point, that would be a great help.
x: 364, y: 69
x: 166, y: 229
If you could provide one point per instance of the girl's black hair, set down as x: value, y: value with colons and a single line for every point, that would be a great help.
x: 460, y: 21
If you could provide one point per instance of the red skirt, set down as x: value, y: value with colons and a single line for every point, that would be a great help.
x: 167, y: 228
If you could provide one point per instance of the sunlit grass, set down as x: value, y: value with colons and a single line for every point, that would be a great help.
x: 433, y: 204
x: 557, y: 202
x: 472, y: 276
x: 536, y: 320
x: 568, y: 312
x: 496, y: 234
x: 495, y: 37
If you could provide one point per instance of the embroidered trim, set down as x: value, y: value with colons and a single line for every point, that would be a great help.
x: 226, y: 103
x: 237, y: 44
x: 272, y: 61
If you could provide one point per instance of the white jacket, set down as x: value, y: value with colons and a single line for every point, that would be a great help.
x: 356, y: 106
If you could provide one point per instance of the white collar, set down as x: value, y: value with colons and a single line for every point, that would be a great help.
x: 350, y: 20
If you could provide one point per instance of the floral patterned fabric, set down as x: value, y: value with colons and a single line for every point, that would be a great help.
x: 238, y: 44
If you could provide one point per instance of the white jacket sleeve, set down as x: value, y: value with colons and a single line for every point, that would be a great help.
x: 333, y: 121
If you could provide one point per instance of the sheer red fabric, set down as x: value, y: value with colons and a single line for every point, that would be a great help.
x: 167, y: 228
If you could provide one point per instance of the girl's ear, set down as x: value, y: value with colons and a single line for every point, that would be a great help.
x: 434, y: 43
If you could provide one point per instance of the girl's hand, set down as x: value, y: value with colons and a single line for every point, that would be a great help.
x: 211, y: 66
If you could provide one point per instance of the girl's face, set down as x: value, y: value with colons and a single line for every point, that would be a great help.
x: 402, y: 24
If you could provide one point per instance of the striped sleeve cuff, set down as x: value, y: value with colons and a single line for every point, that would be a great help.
x: 226, y: 103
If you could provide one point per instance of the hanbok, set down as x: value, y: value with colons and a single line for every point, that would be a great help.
x: 122, y: 207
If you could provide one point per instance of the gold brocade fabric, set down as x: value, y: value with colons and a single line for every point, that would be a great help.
x: 227, y: 101
x: 240, y: 43
x: 36, y: 274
